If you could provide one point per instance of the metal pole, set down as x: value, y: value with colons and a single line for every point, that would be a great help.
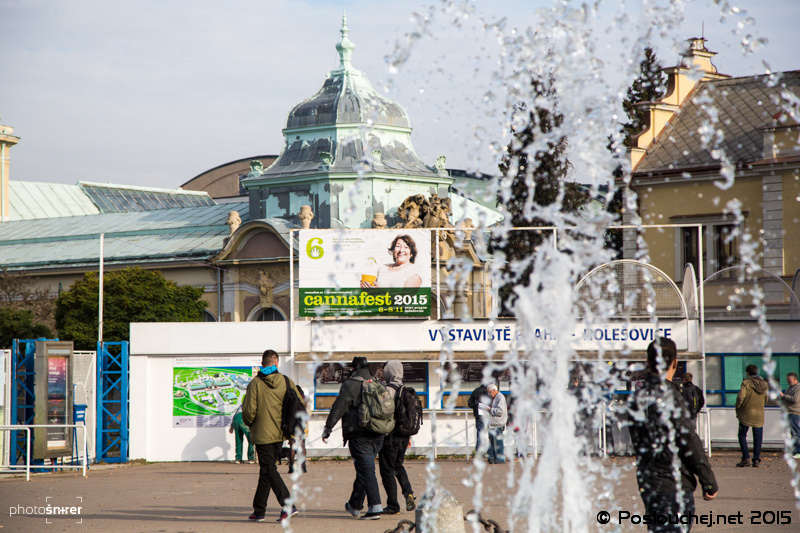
x: 291, y: 303
x: 100, y: 304
x: 438, y: 283
x: 433, y: 433
x: 466, y: 433
x: 28, y: 455
x: 701, y: 300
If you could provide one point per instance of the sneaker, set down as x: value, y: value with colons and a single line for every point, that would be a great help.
x: 237, y: 462
x: 371, y: 516
x: 391, y: 511
x: 251, y: 462
x: 796, y: 456
x: 756, y: 462
x: 257, y: 517
x: 410, y: 503
x: 743, y: 462
x: 286, y: 516
x: 351, y: 510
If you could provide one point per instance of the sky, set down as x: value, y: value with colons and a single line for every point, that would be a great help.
x: 154, y: 93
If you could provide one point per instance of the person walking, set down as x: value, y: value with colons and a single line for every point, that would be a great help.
x: 660, y: 431
x: 393, y: 453
x: 479, y: 395
x: 497, y: 410
x: 791, y: 399
x: 262, y: 410
x: 750, y: 404
x: 693, y: 396
x: 240, y: 431
x: 364, y: 444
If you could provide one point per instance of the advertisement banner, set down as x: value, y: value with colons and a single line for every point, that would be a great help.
x: 359, y: 273
x: 207, y: 391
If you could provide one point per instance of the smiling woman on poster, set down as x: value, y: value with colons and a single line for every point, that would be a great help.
x: 402, y: 272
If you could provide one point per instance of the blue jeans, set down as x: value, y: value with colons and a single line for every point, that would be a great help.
x: 478, y: 430
x: 794, y: 425
x: 758, y: 434
x: 665, y: 507
x: 364, y: 450
x: 496, y: 450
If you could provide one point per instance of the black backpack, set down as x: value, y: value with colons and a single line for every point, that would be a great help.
x: 694, y: 398
x: 408, y: 411
x: 293, y: 414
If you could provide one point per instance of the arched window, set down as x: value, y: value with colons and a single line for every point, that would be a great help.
x: 208, y: 317
x: 267, y: 315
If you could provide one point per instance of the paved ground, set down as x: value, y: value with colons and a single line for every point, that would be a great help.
x: 212, y: 497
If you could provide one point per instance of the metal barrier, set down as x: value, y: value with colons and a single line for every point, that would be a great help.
x: 27, y: 428
x: 27, y: 465
x: 706, y: 430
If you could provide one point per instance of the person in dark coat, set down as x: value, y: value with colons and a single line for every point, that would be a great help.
x: 693, y: 396
x: 364, y: 444
x: 660, y: 426
x: 393, y: 453
x: 479, y: 395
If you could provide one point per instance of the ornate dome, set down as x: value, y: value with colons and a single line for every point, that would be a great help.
x: 346, y: 128
x: 347, y: 97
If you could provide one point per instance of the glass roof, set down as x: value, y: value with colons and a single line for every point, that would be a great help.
x: 111, y: 199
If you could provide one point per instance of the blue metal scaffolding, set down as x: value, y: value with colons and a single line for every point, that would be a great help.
x: 23, y: 397
x: 112, y: 402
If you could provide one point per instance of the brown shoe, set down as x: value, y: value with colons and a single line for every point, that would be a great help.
x: 756, y: 462
x: 743, y: 462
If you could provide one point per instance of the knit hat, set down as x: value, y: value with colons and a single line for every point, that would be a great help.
x: 359, y: 362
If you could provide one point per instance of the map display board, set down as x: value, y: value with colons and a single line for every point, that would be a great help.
x: 207, y: 391
x: 359, y: 273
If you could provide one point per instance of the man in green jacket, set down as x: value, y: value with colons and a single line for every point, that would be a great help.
x: 262, y: 410
x: 750, y: 412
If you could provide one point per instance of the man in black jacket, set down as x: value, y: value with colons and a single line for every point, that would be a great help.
x: 364, y: 444
x: 478, y: 396
x: 693, y: 396
x: 661, y: 426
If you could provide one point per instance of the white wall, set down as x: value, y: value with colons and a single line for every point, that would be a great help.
x: 154, y: 347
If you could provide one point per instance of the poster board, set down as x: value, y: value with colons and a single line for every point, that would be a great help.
x: 206, y: 391
x: 362, y: 273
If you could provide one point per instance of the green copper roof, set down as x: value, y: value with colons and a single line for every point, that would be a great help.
x: 31, y: 200
x: 177, y: 234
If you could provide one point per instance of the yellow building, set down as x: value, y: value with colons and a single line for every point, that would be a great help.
x: 721, y: 156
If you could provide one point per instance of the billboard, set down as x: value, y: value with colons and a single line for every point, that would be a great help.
x: 384, y: 272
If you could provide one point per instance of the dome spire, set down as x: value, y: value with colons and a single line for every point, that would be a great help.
x: 345, y: 46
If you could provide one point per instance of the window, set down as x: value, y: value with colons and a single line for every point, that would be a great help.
x: 726, y: 372
x: 268, y: 315
x: 726, y: 246
x: 471, y: 379
x: 720, y: 245
x: 330, y: 376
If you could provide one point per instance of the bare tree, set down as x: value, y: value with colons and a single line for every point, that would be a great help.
x: 20, y: 293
